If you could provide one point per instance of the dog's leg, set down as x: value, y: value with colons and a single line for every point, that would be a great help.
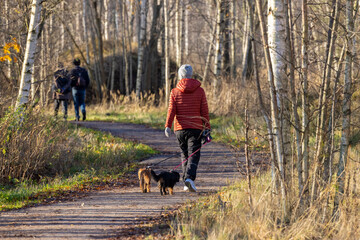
x: 142, y: 184
x: 171, y: 190
x: 164, y: 190
x: 148, y: 187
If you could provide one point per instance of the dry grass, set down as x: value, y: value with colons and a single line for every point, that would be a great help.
x: 228, y: 215
x: 30, y: 146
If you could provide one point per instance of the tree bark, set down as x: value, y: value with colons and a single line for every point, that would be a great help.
x: 29, y: 55
x: 141, y: 48
x: 233, y: 40
x: 346, y: 104
x: 125, y: 53
x: 85, y: 26
x: 218, y: 46
x: 166, y: 53
x: 278, y: 141
x: 323, y: 102
x: 303, y: 166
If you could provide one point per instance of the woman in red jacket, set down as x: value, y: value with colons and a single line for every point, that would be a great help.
x: 188, y: 107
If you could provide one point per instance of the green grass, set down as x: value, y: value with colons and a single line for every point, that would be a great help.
x: 225, y: 129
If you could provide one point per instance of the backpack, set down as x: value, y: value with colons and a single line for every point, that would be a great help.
x: 62, y: 82
x: 80, y: 81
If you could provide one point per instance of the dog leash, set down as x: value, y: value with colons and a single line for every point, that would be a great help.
x: 208, y: 140
x: 174, y: 155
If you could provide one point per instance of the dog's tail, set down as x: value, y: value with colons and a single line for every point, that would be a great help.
x: 155, y: 177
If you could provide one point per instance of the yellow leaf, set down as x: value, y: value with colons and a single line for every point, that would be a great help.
x: 4, y: 58
x: 6, y: 50
x: 16, y: 47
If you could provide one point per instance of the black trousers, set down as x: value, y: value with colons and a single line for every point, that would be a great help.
x: 64, y: 106
x: 189, y: 141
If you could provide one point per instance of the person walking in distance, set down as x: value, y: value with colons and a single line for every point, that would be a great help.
x: 188, y: 107
x: 61, y: 90
x: 79, y: 82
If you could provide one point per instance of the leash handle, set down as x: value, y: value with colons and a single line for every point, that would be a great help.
x: 190, y: 155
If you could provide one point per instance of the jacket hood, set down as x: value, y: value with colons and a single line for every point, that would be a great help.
x: 188, y: 85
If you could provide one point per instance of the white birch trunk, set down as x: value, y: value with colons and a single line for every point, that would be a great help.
x: 186, y: 38
x: 62, y: 27
x: 29, y: 55
x: 233, y: 27
x: 218, y: 46
x: 106, y: 19
x: 141, y: 48
x: 125, y: 55
x: 77, y: 22
x: 178, y: 32
x: 85, y: 26
x: 278, y: 141
x: 277, y: 45
x: 166, y: 53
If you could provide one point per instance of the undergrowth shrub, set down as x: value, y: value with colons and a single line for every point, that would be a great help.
x: 32, y: 145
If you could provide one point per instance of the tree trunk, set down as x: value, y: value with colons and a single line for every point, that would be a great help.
x: 218, y: 46
x: 141, y: 49
x: 106, y: 19
x: 278, y: 143
x: 125, y: 54
x: 292, y: 63
x: 166, y: 53
x: 346, y: 104
x: 85, y: 26
x: 6, y: 14
x: 323, y: 102
x: 178, y: 32
x: 186, y: 31
x: 208, y: 57
x: 62, y: 27
x: 29, y: 55
x: 233, y: 39
x: 247, y: 56
x: 303, y: 166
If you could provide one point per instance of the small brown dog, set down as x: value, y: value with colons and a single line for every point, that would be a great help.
x: 145, y: 178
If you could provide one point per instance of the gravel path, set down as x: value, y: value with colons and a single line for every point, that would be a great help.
x: 102, y: 214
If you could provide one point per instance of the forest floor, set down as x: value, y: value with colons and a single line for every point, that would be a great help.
x: 121, y: 210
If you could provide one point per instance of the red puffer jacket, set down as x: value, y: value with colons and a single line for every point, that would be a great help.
x: 188, y: 105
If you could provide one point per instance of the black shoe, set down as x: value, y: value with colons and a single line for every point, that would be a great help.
x: 77, y: 119
x: 84, y: 116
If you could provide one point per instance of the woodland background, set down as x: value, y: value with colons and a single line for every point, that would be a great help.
x: 288, y: 69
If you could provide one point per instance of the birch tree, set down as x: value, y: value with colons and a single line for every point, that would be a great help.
x: 141, y: 48
x: 233, y: 27
x: 166, y: 52
x: 276, y: 25
x: 29, y: 55
x: 178, y: 31
x: 218, y: 45
x: 125, y: 54
x: 303, y: 168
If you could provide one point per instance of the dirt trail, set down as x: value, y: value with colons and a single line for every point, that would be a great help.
x: 102, y: 214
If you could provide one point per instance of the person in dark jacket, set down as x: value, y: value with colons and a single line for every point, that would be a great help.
x: 188, y: 107
x: 61, y: 90
x: 79, y: 82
